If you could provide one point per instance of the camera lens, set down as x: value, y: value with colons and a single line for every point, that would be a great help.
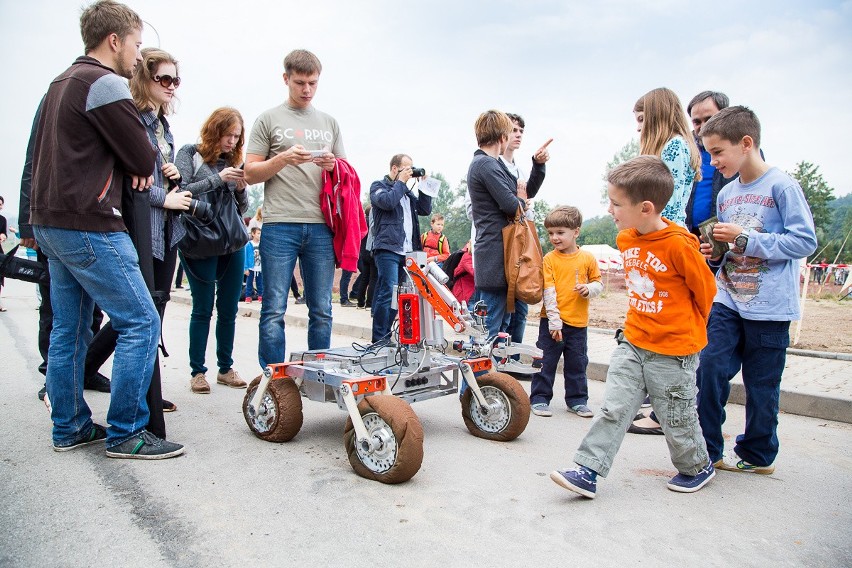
x: 418, y: 172
x: 201, y: 210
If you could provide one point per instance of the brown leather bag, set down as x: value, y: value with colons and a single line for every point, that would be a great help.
x: 522, y: 259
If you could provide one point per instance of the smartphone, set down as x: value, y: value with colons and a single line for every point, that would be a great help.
x: 318, y: 153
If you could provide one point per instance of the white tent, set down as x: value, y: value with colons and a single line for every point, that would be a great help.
x: 607, y: 257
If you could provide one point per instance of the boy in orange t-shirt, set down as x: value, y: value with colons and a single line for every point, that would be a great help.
x: 434, y: 242
x: 571, y: 277
x: 670, y: 293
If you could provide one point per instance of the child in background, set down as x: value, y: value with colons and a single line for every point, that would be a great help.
x: 670, y: 293
x: 766, y: 216
x: 434, y: 243
x: 254, y: 280
x: 571, y: 277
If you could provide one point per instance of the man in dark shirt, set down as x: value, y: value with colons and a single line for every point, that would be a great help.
x: 88, y: 138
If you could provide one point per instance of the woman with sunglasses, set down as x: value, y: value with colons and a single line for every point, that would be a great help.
x: 213, y: 167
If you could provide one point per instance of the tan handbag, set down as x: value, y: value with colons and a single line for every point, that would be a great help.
x: 522, y: 259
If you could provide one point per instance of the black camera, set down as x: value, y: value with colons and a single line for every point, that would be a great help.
x: 417, y: 172
x: 201, y: 210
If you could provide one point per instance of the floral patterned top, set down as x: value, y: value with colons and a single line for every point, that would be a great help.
x: 675, y: 154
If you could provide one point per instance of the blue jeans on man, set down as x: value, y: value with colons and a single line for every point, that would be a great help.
x: 390, y: 267
x: 573, y: 351
x: 282, y: 244
x: 88, y: 267
x: 760, y: 348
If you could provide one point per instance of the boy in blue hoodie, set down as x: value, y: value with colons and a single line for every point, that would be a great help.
x: 766, y: 219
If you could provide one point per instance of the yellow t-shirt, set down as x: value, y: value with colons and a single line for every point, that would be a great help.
x: 562, y: 272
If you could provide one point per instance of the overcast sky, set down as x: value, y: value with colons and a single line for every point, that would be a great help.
x: 412, y: 77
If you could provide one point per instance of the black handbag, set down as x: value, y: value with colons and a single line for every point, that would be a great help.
x: 22, y: 269
x: 221, y: 231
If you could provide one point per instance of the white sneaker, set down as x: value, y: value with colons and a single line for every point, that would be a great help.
x: 732, y: 462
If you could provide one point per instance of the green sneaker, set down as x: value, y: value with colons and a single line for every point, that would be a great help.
x: 96, y: 434
x: 145, y: 446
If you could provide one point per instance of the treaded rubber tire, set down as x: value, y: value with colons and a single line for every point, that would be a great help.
x: 517, y: 398
x: 407, y: 431
x: 288, y: 410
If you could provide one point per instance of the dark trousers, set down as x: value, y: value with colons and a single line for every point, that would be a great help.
x: 365, y: 284
x: 45, y: 322
x: 345, y: 278
x: 103, y: 344
x: 573, y: 350
x: 760, y: 349
x: 219, y: 280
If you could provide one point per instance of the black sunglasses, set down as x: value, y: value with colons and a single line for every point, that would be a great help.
x: 167, y: 81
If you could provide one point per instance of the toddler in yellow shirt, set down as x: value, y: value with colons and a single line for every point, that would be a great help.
x: 571, y: 278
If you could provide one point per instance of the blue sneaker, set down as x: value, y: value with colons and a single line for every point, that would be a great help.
x: 692, y: 483
x: 580, y: 480
x: 582, y: 410
x: 541, y: 409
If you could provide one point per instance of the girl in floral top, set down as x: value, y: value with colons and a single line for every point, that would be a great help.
x: 664, y: 131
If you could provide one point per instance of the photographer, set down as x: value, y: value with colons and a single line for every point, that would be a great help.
x: 396, y: 233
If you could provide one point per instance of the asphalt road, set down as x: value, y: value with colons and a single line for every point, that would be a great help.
x: 234, y: 500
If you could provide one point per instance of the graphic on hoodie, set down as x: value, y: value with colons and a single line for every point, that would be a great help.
x: 742, y: 275
x: 640, y: 267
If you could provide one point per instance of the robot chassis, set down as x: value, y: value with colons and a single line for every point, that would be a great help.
x: 376, y: 384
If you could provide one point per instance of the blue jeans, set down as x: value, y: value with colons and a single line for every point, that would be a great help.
x: 219, y: 279
x: 282, y: 244
x: 670, y: 382
x: 518, y: 322
x: 254, y: 284
x: 498, y: 318
x: 760, y: 348
x: 88, y: 267
x: 575, y: 359
x: 390, y: 267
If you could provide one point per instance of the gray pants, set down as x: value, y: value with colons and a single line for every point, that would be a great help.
x: 670, y: 381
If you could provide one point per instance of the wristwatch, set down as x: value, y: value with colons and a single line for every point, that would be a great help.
x: 741, y: 241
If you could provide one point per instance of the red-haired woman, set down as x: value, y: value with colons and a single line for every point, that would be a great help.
x: 214, y: 166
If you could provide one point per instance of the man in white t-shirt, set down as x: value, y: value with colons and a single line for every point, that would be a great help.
x: 289, y: 147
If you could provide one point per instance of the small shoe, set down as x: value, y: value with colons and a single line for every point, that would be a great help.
x: 300, y: 300
x: 346, y: 303
x: 42, y: 392
x: 178, y: 287
x: 199, y: 385
x: 353, y: 296
x: 580, y: 480
x: 732, y: 462
x: 691, y: 483
x: 231, y: 379
x: 96, y: 434
x: 97, y: 382
x: 248, y: 299
x: 260, y: 299
x: 645, y: 426
x: 169, y: 406
x: 145, y: 446
x: 647, y: 402
x: 582, y: 410
x: 541, y: 409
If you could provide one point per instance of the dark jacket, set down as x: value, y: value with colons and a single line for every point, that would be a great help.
x: 89, y: 136
x: 24, y: 225
x: 493, y: 201
x: 386, y: 197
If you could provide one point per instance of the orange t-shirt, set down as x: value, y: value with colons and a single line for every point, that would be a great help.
x: 670, y: 290
x: 562, y: 272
